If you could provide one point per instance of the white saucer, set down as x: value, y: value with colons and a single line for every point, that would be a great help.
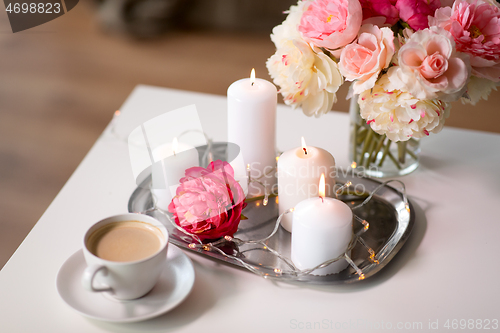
x: 173, y: 287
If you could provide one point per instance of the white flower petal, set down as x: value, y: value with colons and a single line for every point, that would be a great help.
x: 398, y: 114
x: 305, y: 78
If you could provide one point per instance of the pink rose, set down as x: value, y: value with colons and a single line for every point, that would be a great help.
x: 209, y: 201
x: 416, y: 12
x: 364, y: 59
x: 331, y: 23
x: 475, y: 27
x: 380, y: 8
x: 430, y: 68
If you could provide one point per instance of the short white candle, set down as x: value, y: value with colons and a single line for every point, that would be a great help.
x: 322, y: 230
x: 171, y: 162
x: 299, y: 170
x: 251, y: 108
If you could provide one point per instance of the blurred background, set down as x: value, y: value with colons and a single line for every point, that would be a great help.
x: 61, y: 82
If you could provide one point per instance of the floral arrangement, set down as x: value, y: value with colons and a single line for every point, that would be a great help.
x: 208, y: 201
x: 407, y: 59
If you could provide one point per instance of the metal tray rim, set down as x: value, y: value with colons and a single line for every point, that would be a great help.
x: 392, y: 246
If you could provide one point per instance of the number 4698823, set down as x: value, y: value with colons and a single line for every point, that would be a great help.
x: 32, y: 8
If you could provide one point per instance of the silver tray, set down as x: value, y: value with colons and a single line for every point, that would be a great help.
x: 390, y: 227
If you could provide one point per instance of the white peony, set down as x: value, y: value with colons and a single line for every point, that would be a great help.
x: 305, y: 78
x: 288, y: 30
x: 397, y: 114
x: 477, y: 89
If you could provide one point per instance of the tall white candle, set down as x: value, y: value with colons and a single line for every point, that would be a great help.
x: 299, y: 171
x: 252, y: 126
x: 171, y: 161
x: 322, y: 230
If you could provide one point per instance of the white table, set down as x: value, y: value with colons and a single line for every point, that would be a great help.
x: 448, y: 269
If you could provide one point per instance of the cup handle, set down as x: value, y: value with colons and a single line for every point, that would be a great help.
x: 88, y: 278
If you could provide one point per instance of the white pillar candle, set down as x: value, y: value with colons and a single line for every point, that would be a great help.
x: 251, y: 108
x: 322, y: 230
x: 299, y: 171
x: 171, y: 162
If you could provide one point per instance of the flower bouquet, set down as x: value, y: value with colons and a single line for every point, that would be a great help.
x: 407, y: 60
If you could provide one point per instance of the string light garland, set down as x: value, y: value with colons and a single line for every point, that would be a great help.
x: 292, y: 272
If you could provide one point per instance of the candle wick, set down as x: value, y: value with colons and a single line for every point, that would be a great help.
x: 253, y: 83
x: 305, y: 151
x: 322, y: 199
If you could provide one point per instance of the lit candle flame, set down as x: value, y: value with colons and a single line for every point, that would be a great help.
x: 252, y: 76
x: 175, y: 145
x: 322, y: 186
x: 304, y: 147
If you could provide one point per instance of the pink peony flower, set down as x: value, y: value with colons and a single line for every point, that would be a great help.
x: 416, y: 12
x: 331, y: 23
x: 209, y: 201
x: 380, y: 8
x: 364, y: 59
x: 430, y: 68
x: 475, y: 26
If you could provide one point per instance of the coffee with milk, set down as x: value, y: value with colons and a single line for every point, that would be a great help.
x: 125, y: 241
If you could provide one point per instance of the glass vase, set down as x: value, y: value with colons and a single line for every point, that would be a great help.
x: 374, y: 155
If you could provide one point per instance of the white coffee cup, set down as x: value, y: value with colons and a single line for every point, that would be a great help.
x: 126, y: 279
